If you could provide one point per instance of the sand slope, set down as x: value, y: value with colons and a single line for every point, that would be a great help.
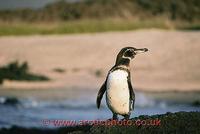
x: 172, y: 63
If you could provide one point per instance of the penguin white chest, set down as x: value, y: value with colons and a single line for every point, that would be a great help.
x: 117, y: 94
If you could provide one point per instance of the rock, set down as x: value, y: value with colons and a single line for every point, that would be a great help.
x: 180, y: 122
x: 11, y: 101
x: 196, y: 103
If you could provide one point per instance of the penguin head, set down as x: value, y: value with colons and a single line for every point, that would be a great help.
x: 128, y: 53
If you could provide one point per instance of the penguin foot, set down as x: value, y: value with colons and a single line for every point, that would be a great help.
x: 126, y: 117
x: 115, y: 117
x: 109, y: 119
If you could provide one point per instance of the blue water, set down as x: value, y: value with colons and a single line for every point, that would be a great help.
x: 32, y: 110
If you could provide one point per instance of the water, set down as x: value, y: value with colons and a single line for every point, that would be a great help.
x: 34, y: 106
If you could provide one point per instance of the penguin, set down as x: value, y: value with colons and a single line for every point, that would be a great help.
x: 120, y: 97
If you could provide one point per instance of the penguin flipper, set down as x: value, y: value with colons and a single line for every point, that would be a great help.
x: 132, y: 94
x: 100, y: 94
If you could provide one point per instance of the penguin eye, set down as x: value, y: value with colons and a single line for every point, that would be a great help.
x: 128, y: 53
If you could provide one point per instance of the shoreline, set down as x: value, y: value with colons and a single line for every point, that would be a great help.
x: 150, y: 90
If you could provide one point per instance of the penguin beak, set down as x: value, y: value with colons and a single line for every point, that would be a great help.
x: 140, y: 50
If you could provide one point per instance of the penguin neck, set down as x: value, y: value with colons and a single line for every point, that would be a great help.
x: 123, y: 62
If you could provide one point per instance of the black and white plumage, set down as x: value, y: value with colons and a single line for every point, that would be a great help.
x: 120, y: 96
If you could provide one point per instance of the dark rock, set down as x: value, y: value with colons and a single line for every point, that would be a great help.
x: 196, y: 103
x: 11, y: 101
x: 180, y: 122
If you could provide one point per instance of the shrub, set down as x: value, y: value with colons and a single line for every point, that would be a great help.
x: 98, y: 73
x: 15, y: 71
x: 59, y: 70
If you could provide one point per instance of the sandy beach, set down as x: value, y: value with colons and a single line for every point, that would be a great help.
x: 172, y: 62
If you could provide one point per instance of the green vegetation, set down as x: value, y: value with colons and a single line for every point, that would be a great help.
x: 189, y: 27
x: 180, y: 122
x: 187, y: 10
x: 82, y: 26
x: 98, y: 73
x: 59, y: 70
x: 15, y: 71
x: 101, y: 15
